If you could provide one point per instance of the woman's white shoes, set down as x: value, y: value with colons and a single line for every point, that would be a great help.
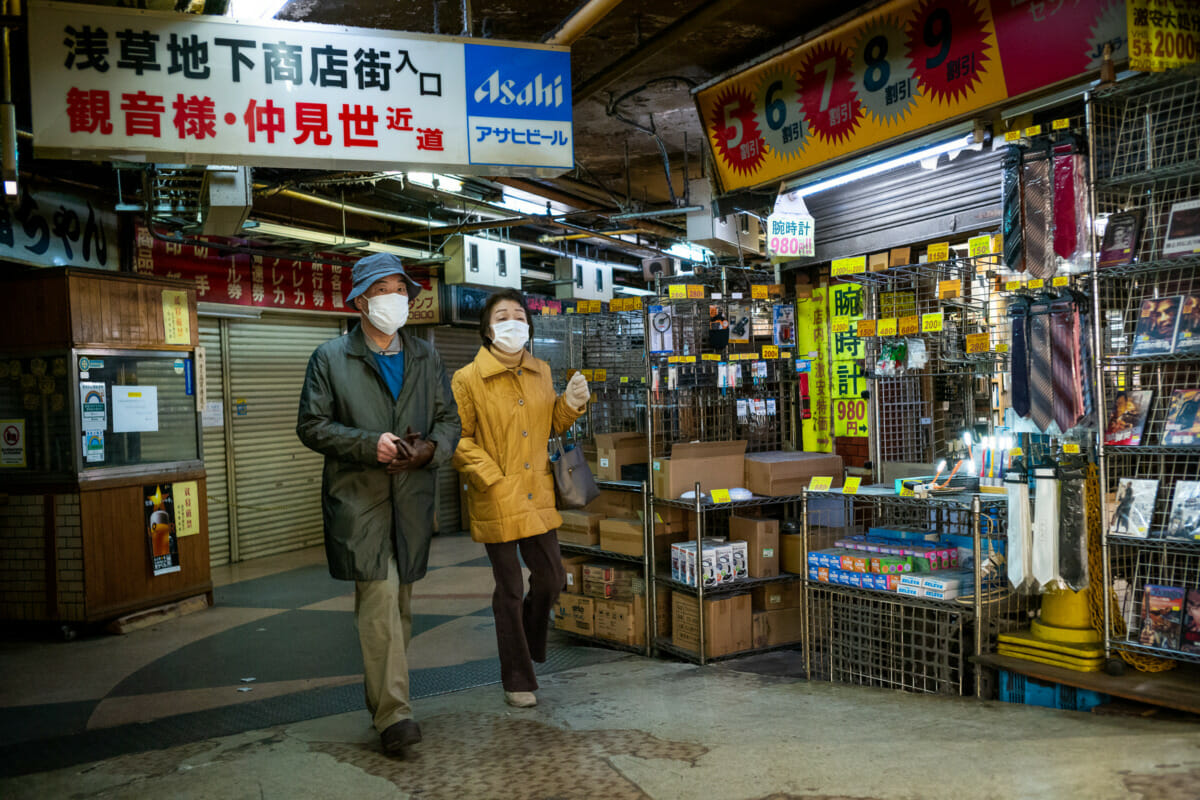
x: 520, y: 699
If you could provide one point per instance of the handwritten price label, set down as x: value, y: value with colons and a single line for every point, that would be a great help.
x: 932, y: 323
x: 695, y: 291
x: 677, y: 291
x: 1033, y: 130
x: 1012, y: 286
x: 758, y: 292
x: 978, y: 342
x: 710, y: 357
x: 1061, y: 124
x: 1036, y: 283
x: 823, y: 484
x: 938, y: 252
x: 721, y: 496
x: 979, y: 246
x: 770, y: 351
x: 601, y: 375
x: 1012, y: 136
x: 1073, y: 449
x: 849, y: 266
x: 589, y: 374
x: 866, y: 328
x: 1061, y: 280
x: 887, y: 327
x: 851, y: 485
x: 841, y: 325
x: 1016, y: 451
x: 910, y: 325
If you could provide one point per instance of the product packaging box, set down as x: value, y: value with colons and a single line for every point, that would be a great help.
x: 616, y: 450
x: 625, y: 535
x: 791, y: 547
x: 784, y: 626
x: 621, y: 621
x: 611, y: 582
x: 762, y: 543
x: 779, y: 473
x: 716, y: 465
x: 573, y: 565
x: 728, y: 624
x: 899, y: 256
x: 741, y: 558
x: 721, y: 556
x: 616, y: 503
x: 580, y: 527
x: 909, y: 591
x: 877, y: 262
x: 683, y: 563
x: 575, y: 613
x: 662, y: 610
x: 774, y: 596
x: 758, y: 629
x: 669, y: 515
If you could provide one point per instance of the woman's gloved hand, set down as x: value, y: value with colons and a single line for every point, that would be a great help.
x: 577, y: 393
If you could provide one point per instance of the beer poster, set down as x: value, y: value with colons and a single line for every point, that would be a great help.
x: 160, y: 528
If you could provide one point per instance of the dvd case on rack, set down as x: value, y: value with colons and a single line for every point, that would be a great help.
x: 1162, y: 616
x: 1128, y: 420
x: 1121, y: 238
x: 1133, y: 507
x: 1158, y: 320
x: 1184, y: 519
x: 1187, y: 338
x: 1190, y: 641
x: 1183, y: 418
x: 1183, y: 230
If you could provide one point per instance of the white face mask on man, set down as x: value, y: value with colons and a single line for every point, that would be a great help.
x: 388, y: 312
x: 510, y: 335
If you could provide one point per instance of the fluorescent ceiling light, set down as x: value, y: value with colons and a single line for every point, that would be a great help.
x: 445, y: 183
x: 692, y: 252
x: 255, y: 9
x: 331, y: 239
x: 522, y: 205
x: 632, y: 290
x: 915, y: 156
x: 10, y: 188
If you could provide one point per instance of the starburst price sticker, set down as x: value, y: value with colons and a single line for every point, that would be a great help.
x: 910, y: 325
x: 866, y: 328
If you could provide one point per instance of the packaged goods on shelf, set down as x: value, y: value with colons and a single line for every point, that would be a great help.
x: 612, y: 582
x: 662, y: 610
x: 774, y: 596
x: 791, y: 546
x: 575, y: 613
x: 741, y: 557
x: 580, y: 527
x: 715, y: 465
x: 783, y: 474
x: 621, y: 621
x: 903, y: 534
x: 623, y: 535
x: 783, y: 626
x: 761, y: 537
x: 728, y: 623
x: 617, y: 450
x: 615, y: 503
x: 573, y: 566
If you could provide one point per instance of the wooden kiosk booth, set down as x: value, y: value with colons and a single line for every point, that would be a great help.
x: 102, y: 505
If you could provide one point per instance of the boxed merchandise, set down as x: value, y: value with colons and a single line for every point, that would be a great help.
x: 774, y: 596
x: 623, y: 622
x: 616, y: 450
x: 615, y: 503
x: 791, y: 546
x: 716, y: 465
x: 723, y: 560
x: 761, y: 537
x: 741, y: 558
x: 909, y: 591
x: 679, y: 561
x: 623, y: 535
x: 669, y: 515
x: 940, y: 594
x: 662, y: 610
x: 758, y: 629
x: 886, y: 565
x: 784, y: 626
x: 814, y: 573
x: 573, y: 566
x: 575, y: 613
x: 580, y: 527
x: 903, y: 534
x: 611, y: 582
x: 779, y: 473
x: 728, y: 624
x: 959, y: 579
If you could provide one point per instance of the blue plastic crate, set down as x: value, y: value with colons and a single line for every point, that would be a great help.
x: 1017, y: 688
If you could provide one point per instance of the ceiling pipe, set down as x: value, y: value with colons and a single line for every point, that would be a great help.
x: 572, y: 236
x: 573, y: 28
x: 689, y: 23
x: 658, y: 212
x: 349, y: 208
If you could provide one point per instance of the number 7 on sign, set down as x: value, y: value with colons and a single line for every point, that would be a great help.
x: 829, y: 67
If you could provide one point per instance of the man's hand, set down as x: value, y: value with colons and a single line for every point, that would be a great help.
x: 386, y: 450
x: 413, y: 452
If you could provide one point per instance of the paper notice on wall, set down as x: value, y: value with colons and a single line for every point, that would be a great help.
x: 93, y: 405
x: 135, y: 409
x: 12, y: 443
x: 187, y: 508
x: 214, y: 414
x: 93, y: 446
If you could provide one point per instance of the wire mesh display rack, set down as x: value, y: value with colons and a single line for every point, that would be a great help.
x: 1146, y: 152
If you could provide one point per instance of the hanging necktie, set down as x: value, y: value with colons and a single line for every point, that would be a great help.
x: 1078, y: 371
x: 1035, y: 181
x: 1019, y: 312
x: 1020, y: 530
x: 1014, y: 248
x: 1062, y: 358
x: 1072, y: 531
x: 1066, y: 224
x: 1041, y: 380
x: 1085, y: 357
x: 1045, y: 528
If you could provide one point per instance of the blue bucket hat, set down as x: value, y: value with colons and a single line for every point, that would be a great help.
x: 371, y: 268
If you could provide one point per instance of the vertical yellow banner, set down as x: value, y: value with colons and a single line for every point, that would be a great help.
x: 187, y: 508
x: 177, y: 323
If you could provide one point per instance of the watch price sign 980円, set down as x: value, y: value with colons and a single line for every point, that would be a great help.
x: 903, y: 67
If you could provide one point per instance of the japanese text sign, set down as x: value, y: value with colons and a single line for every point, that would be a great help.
x: 52, y: 229
x: 790, y: 236
x: 1163, y: 34
x: 121, y: 84
x: 898, y: 69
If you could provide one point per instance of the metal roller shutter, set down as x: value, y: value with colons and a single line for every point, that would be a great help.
x: 907, y: 205
x: 278, y: 478
x: 457, y: 347
x: 214, y: 448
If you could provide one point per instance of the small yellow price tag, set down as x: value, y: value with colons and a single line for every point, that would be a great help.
x: 979, y: 246
x: 910, y: 325
x: 695, y: 291
x: 635, y: 304
x: 1061, y: 124
x: 1016, y: 451
x: 841, y: 325
x: 938, y: 252
x: 851, y: 485
x: 887, y: 327
x: 673, y: 359
x: 601, y: 375
x: 786, y: 354
x: 978, y: 342
x: 1036, y: 283
x: 1061, y: 280
x: 866, y: 328
x: 570, y: 310
x: 770, y: 351
x: 589, y: 374
x: 1002, y: 348
x: 1012, y: 136
x: 1071, y: 448
x: 1033, y: 130
x: 932, y: 323
x: 689, y: 360
x: 848, y: 266
x: 720, y: 496
x: 677, y: 291
x: 820, y: 484
x: 907, y: 492
x: 948, y: 289
x: 758, y: 291
x: 710, y: 357
x: 624, y: 379
x: 1012, y: 286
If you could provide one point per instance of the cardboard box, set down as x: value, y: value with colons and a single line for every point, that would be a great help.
x: 580, y: 527
x: 791, y: 545
x: 878, y: 262
x: 780, y: 474
x: 626, y: 536
x: 573, y: 565
x: 662, y: 610
x: 899, y: 256
x: 758, y: 629
x: 785, y: 626
x: 575, y: 613
x: 762, y: 543
x: 716, y: 465
x: 615, y: 450
x: 669, y: 515
x: 775, y: 596
x: 728, y: 623
x: 622, y: 621
x: 616, y: 503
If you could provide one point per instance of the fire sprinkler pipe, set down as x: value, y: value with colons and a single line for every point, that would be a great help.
x: 571, y: 29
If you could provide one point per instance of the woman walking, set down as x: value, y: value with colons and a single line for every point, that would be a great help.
x: 508, y: 408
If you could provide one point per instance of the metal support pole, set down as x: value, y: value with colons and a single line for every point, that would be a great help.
x: 231, y: 501
x: 976, y: 544
x: 805, y: 588
x: 648, y: 564
x: 699, y: 572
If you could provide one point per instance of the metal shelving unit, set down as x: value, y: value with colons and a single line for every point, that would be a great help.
x: 1146, y: 156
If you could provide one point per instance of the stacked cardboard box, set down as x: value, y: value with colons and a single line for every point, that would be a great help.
x: 622, y: 621
x: 782, y: 474
x: 617, y: 450
x: 573, y: 566
x: 576, y: 614
x: 715, y: 465
x: 727, y: 624
x: 607, y: 581
x: 620, y: 535
x: 762, y: 540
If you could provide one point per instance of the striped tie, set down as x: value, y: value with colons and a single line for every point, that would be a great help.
x: 1063, y: 364
x: 1039, y: 258
x: 1041, y: 382
x: 1014, y: 248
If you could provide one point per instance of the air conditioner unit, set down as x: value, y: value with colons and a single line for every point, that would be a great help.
x: 722, y: 235
x: 582, y: 279
x: 476, y: 261
x: 660, y: 267
x: 226, y: 199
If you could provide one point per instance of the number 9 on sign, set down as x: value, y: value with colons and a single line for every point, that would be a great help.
x: 849, y: 416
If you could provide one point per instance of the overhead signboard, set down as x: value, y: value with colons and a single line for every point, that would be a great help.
x: 906, y: 66
x: 134, y: 85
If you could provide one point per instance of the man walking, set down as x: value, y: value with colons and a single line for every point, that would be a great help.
x: 377, y: 404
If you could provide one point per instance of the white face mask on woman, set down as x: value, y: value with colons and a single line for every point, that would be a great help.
x: 510, y: 335
x: 388, y: 312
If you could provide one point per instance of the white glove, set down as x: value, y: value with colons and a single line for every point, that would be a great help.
x: 577, y: 393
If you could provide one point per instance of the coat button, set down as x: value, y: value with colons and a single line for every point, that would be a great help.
x: 519, y: 372
x: 530, y: 496
x: 521, y: 402
x: 526, y: 465
x: 524, y: 433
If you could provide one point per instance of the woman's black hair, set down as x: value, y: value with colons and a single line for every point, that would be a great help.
x: 485, y: 316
